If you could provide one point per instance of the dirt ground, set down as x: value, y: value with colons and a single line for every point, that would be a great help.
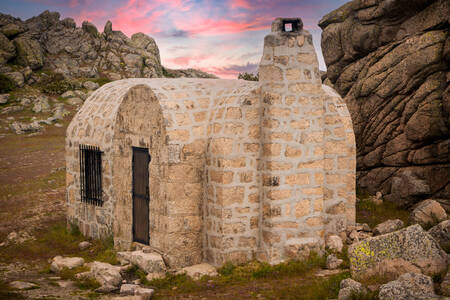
x: 32, y: 180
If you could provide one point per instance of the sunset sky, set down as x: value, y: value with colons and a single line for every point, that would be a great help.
x: 223, y: 37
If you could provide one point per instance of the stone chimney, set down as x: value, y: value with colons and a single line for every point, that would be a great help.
x: 292, y: 155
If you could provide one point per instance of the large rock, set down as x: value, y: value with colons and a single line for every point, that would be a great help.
x: 441, y: 233
x: 409, y: 247
x: 389, y: 60
x: 7, y: 49
x: 16, y: 77
x: 62, y: 47
x: 29, y: 52
x: 408, y: 286
x: 148, y: 262
x: 427, y: 213
x: 107, y: 275
x: 12, y: 29
x: 349, y: 287
x: 59, y: 263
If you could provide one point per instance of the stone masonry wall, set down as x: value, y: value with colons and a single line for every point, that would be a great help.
x: 240, y: 170
x: 297, y: 145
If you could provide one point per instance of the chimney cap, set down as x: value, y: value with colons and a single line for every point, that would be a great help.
x: 287, y: 25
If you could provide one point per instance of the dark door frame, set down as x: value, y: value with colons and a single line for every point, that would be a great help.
x: 144, y: 205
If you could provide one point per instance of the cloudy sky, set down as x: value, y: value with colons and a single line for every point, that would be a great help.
x: 223, y: 37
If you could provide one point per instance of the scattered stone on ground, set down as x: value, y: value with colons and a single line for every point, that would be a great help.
x: 349, y: 287
x: 148, y: 262
x: 12, y: 109
x: 408, y: 286
x: 84, y: 245
x: 411, y: 244
x: 69, y: 94
x: 75, y: 101
x: 4, y: 98
x: 427, y: 213
x: 377, y: 198
x: 301, y: 247
x: 441, y: 233
x: 41, y: 105
x: 22, y: 285
x: 333, y: 262
x: 65, y: 284
x: 151, y: 276
x: 334, y: 243
x: 388, y: 226
x: 198, y: 271
x: 90, y: 85
x: 21, y: 128
x: 59, y: 263
x: 106, y: 275
x: 358, y: 233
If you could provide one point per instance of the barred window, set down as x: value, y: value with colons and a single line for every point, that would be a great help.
x: 91, y: 175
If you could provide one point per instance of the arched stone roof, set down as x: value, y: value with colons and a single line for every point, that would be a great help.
x: 94, y: 123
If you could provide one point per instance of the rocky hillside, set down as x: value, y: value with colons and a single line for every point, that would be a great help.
x: 46, y: 42
x: 390, y: 60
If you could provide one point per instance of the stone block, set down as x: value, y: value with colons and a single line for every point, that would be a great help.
x: 302, y: 208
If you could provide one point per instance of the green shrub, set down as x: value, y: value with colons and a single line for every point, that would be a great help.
x: 248, y: 76
x: 55, y: 84
x: 102, y: 80
x: 6, y: 84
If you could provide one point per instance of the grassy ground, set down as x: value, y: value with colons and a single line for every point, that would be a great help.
x: 32, y: 196
x: 373, y: 214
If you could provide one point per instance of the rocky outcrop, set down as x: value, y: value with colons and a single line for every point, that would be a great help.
x: 410, y: 249
x: 390, y: 62
x: 408, y: 286
x: 58, y: 45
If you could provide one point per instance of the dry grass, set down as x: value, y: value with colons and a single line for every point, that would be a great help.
x: 57, y: 239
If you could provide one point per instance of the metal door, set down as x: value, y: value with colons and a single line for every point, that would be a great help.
x: 141, y: 197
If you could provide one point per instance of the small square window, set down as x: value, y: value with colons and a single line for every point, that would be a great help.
x: 291, y: 26
x: 288, y: 27
x: 91, y: 175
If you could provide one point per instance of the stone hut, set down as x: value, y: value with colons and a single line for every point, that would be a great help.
x: 212, y: 170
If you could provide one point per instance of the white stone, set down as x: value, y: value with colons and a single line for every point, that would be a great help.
x: 85, y: 244
x: 65, y: 284
x: 334, y: 243
x: 59, y: 263
x: 148, y: 262
x: 128, y: 289
x: 151, y: 276
x: 90, y: 85
x: 22, y: 285
x: 75, y: 101
x: 333, y: 262
x: 198, y: 271
x: 4, y: 98
x: 68, y: 94
x: 106, y: 274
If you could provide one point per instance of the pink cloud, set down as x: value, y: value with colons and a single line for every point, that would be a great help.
x: 91, y: 16
x: 208, y: 26
x: 184, y: 61
x: 240, y: 3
